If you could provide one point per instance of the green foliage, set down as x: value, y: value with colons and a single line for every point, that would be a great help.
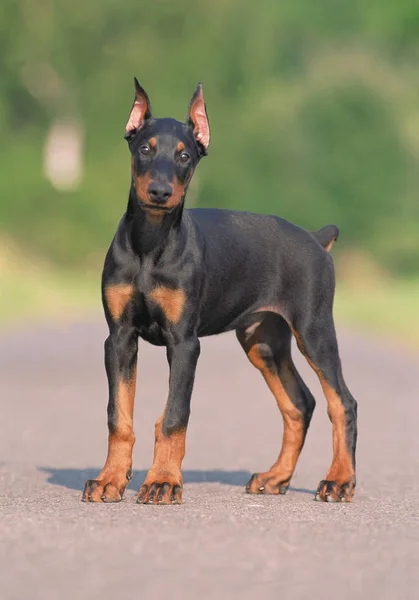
x: 313, y: 110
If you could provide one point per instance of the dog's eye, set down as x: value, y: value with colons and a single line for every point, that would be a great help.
x: 184, y: 157
x: 145, y: 150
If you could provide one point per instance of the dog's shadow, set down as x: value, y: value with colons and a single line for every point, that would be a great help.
x: 75, y: 479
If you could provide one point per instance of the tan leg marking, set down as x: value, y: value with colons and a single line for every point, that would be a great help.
x: 163, y: 484
x: 281, y: 472
x: 110, y: 484
x: 342, y: 469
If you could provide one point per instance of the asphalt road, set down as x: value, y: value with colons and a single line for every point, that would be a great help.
x: 221, y: 543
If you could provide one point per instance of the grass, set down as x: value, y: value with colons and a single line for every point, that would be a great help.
x: 388, y: 309
x: 36, y: 292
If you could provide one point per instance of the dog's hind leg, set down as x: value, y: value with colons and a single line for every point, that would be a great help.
x: 267, y: 344
x: 316, y: 339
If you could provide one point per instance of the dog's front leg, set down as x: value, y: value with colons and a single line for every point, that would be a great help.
x: 163, y: 484
x: 121, y: 366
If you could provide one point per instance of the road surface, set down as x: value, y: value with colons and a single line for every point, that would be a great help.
x: 221, y: 543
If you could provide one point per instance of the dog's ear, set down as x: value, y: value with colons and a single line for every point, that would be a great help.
x: 198, y: 119
x: 140, y: 112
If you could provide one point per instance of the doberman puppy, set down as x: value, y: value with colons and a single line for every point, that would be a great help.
x: 173, y: 275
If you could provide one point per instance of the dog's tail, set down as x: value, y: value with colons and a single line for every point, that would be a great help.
x: 326, y: 236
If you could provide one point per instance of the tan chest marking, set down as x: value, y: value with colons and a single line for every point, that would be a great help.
x: 117, y: 297
x: 171, y: 302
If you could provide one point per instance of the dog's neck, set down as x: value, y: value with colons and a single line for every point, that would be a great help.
x: 151, y: 231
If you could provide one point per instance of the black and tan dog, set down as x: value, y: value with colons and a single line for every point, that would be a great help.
x: 174, y: 275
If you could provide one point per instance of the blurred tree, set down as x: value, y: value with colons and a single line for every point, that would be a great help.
x: 313, y: 109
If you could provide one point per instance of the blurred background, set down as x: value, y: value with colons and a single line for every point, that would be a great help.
x: 314, y: 113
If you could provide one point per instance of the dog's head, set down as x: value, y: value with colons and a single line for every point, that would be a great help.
x: 165, y: 152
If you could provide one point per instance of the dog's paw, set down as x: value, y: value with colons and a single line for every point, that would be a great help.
x: 161, y: 488
x: 106, y: 489
x: 331, y: 491
x: 267, y: 483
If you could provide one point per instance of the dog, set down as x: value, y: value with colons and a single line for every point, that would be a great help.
x: 173, y: 275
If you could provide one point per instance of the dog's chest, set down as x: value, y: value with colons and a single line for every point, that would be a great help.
x: 156, y: 305
x: 146, y: 320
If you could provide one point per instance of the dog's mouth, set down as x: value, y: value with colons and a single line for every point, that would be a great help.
x: 155, y: 208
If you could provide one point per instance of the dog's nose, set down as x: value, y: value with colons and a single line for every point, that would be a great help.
x: 159, y: 192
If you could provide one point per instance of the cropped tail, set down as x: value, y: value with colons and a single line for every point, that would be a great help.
x: 326, y: 236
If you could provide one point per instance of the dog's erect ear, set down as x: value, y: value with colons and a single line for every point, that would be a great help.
x: 141, y: 109
x: 198, y: 119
